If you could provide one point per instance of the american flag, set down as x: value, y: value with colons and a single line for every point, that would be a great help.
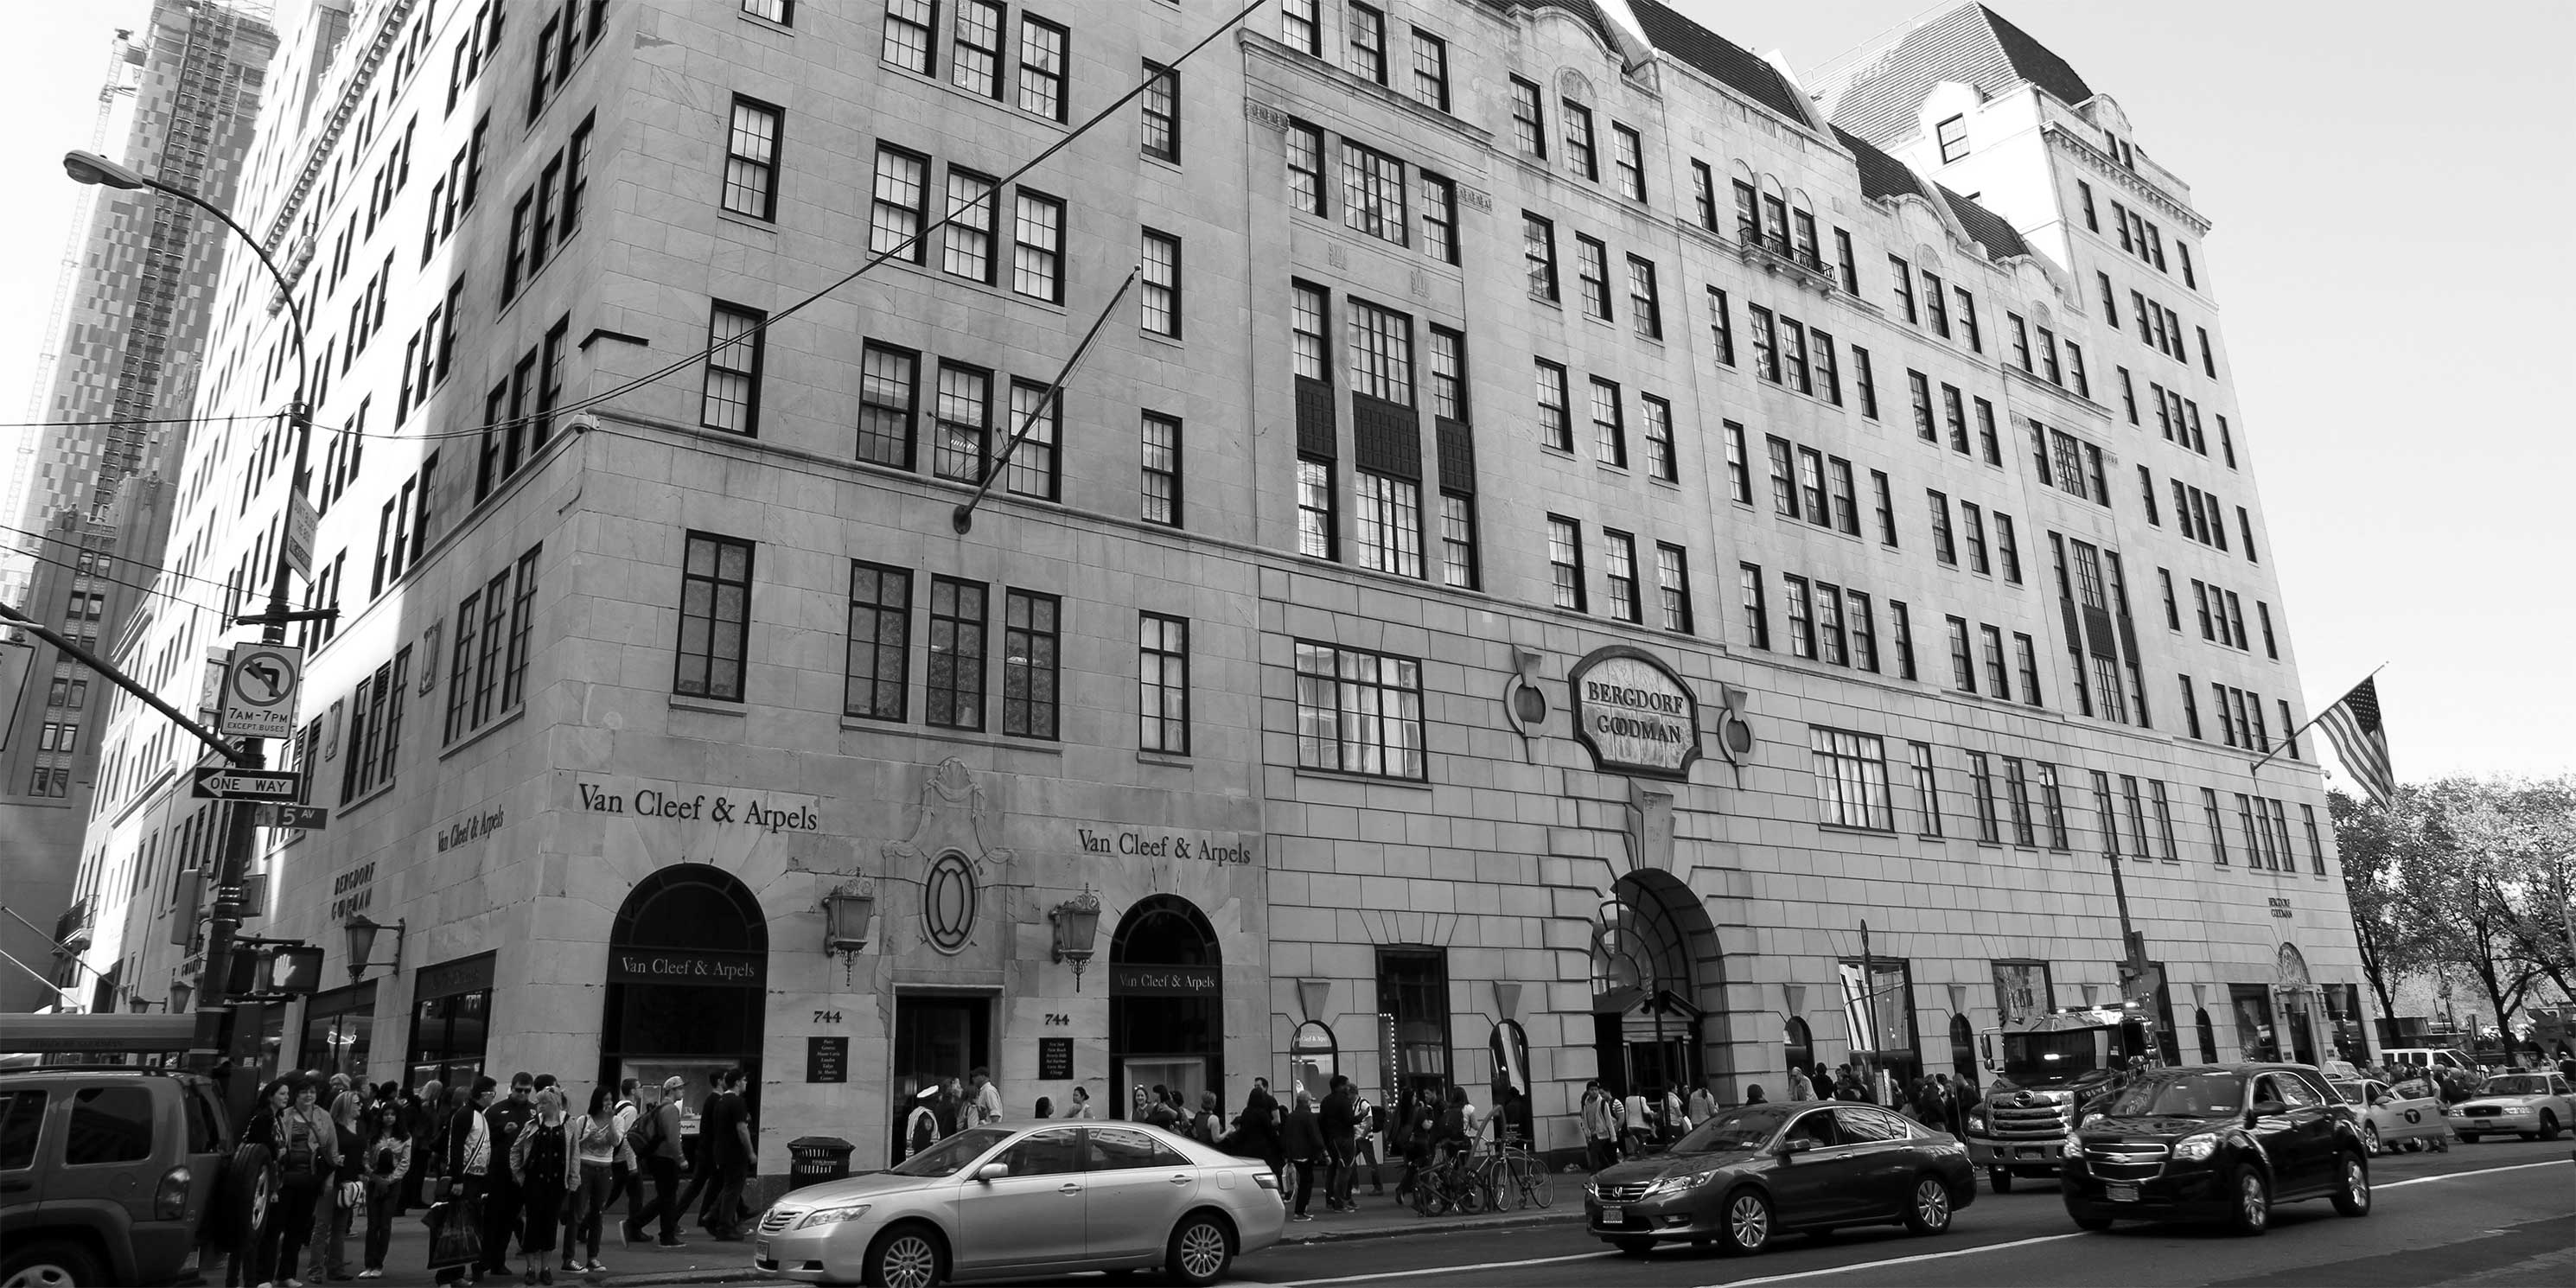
x: 2360, y: 741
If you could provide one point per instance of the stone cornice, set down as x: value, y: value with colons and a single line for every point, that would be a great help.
x: 2103, y: 163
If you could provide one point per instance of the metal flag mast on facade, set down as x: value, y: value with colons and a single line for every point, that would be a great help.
x: 2360, y: 739
x: 963, y: 517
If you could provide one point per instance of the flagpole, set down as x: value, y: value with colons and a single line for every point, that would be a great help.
x: 2312, y: 721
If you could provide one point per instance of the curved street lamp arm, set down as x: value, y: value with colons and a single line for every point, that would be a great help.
x: 285, y: 290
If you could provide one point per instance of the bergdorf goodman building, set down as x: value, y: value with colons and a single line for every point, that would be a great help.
x: 1566, y: 524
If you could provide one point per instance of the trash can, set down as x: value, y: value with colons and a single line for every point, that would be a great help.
x: 812, y: 1159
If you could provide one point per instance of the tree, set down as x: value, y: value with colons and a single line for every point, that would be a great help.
x: 2386, y: 871
x: 2500, y: 849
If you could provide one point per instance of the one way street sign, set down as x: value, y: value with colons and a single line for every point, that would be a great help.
x: 218, y: 783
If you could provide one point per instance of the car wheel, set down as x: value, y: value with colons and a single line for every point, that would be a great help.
x: 2370, y: 1139
x: 2352, y: 1198
x: 2000, y: 1179
x: 1635, y: 1247
x: 50, y: 1265
x: 2252, y: 1212
x: 1748, y: 1223
x: 1929, y: 1213
x: 907, y: 1256
x: 2548, y: 1125
x: 2441, y: 1144
x: 1200, y: 1250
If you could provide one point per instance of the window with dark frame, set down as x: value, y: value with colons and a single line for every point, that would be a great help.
x: 911, y: 32
x: 878, y: 673
x: 953, y: 692
x: 1359, y: 712
x: 751, y: 161
x: 1366, y: 29
x: 1159, y: 297
x: 975, y: 57
x: 1431, y: 70
x: 1159, y: 469
x: 736, y: 339
x: 1619, y: 567
x: 1565, y: 563
x: 1529, y: 120
x: 1042, y: 68
x: 899, y: 197
x: 1030, y: 700
x: 1162, y: 113
x: 715, y: 617
x: 889, y: 401
x: 1163, y: 684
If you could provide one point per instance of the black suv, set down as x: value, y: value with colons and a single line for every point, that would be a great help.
x: 106, y: 1175
x: 2216, y: 1143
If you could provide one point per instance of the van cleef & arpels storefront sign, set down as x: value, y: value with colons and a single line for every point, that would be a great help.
x: 1634, y: 713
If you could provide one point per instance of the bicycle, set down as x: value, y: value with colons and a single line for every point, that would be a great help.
x: 1510, y: 1176
x: 1446, y: 1184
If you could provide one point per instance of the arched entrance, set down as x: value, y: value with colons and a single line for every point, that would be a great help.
x: 2298, y: 1007
x: 1963, y: 1051
x: 2207, y: 1033
x: 1166, y: 1003
x: 1655, y: 980
x: 688, y: 970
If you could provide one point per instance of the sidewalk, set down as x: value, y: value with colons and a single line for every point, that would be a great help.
x: 1382, y: 1217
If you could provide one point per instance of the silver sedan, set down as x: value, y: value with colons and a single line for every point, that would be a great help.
x: 1047, y: 1196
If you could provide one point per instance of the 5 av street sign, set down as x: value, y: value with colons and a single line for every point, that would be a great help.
x: 310, y: 818
x: 217, y: 783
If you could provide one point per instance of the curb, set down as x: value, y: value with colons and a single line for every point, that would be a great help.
x: 1551, y: 1216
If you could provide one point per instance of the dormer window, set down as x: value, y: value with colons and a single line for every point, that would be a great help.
x: 1953, y: 137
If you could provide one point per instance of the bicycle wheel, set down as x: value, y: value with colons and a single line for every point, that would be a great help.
x: 1535, y: 1181
x: 1469, y: 1195
x: 1430, y: 1198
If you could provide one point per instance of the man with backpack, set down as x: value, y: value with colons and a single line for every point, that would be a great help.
x: 654, y: 1138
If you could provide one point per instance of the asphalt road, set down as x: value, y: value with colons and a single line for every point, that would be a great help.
x: 2480, y: 1209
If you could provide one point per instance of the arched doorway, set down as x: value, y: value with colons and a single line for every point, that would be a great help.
x: 1963, y: 1051
x: 1655, y: 980
x: 1166, y: 1003
x: 2208, y: 1034
x: 1798, y: 1046
x: 2298, y: 1008
x: 688, y: 971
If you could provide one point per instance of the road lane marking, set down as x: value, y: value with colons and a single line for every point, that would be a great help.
x: 1446, y: 1270
x: 1828, y: 1270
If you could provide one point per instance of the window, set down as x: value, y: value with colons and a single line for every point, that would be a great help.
x: 1922, y: 387
x: 1538, y: 249
x: 1413, y: 993
x: 2056, y: 803
x: 1359, y: 712
x: 954, y: 694
x: 715, y: 615
x: 1373, y: 193
x: 1388, y: 511
x: 2104, y: 819
x: 1886, y: 508
x: 1628, y: 161
x: 1662, y: 463
x: 2307, y: 813
x: 1672, y: 582
x: 1439, y: 218
x: 1609, y: 426
x: 1935, y: 306
x: 1972, y: 520
x: 1458, y: 539
x: 1163, y: 684
x: 1431, y: 69
x: 1851, y: 779
x: 976, y: 57
x: 1998, y: 682
x: 963, y: 423
x: 1042, y: 63
x: 1367, y: 30
x: 895, y: 211
x: 1952, y: 135
x: 1381, y: 353
x: 1299, y: 28
x: 1721, y: 329
x: 1029, y: 700
x: 1848, y: 267
x: 2027, y: 656
x: 1981, y: 784
x: 1864, y: 631
x: 2217, y: 823
x: 1592, y: 272
x: 1828, y: 376
x: 1865, y: 382
x: 1927, y: 791
x: 751, y: 161
x: 1160, y: 299
x: 1757, y: 617
x: 1162, y: 116
x: 2007, y: 548
x: 1582, y: 159
x: 2017, y: 787
x: 1306, y: 167
x: 1833, y: 643
x: 1315, y: 520
x: 109, y: 1124
x: 1160, y: 470
x: 910, y: 33
x: 889, y: 397
x: 1802, y: 617
x: 1968, y: 319
x: 1943, y: 548
x: 878, y: 668
x: 1555, y: 423
x: 1811, y: 485
x: 1704, y: 193
x: 1963, y: 666
x: 1565, y: 562
x: 1529, y: 122
x: 375, y: 728
x: 1955, y: 414
x: 1448, y: 374
x: 969, y: 250
x: 731, y: 401
x: 1032, y: 468
x: 1903, y: 273
x: 1621, y: 568
x: 1766, y: 344
x: 1645, y: 304
x: 1739, y: 476
x: 1784, y: 484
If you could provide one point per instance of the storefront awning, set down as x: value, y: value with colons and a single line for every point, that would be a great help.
x: 51, y: 1034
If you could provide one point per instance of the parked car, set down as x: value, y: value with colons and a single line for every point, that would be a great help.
x: 1747, y: 1175
x: 2408, y: 1114
x: 2430, y: 1057
x: 2534, y: 1106
x: 2219, y: 1144
x: 1046, y: 1197
x: 106, y: 1175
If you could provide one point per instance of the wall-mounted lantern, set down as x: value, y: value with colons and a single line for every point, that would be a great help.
x: 847, y: 915
x: 361, y: 930
x: 1077, y: 930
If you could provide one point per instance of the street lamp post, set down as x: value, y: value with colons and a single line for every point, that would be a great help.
x: 90, y: 168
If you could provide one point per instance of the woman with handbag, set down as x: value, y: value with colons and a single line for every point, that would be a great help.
x: 306, y: 1146
x: 466, y: 1144
x: 388, y: 1170
x: 541, y: 1161
x: 342, y: 1194
x: 601, y: 1154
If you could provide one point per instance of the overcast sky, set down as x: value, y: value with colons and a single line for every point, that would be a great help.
x: 2391, y: 198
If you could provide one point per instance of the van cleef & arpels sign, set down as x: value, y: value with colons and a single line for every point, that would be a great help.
x: 1634, y: 713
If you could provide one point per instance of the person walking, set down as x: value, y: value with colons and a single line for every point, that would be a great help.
x: 1600, y: 1127
x: 503, y: 1204
x: 1703, y: 1100
x: 626, y: 1183
x: 465, y: 1150
x: 1635, y: 1124
x: 1081, y: 1106
x: 1339, y: 1121
x: 255, y: 1153
x: 1304, y: 1143
x: 656, y: 1150
x: 1371, y: 1121
x: 726, y: 1129
x: 600, y: 1156
x: 306, y: 1146
x: 1799, y: 1088
x: 386, y: 1171
x: 428, y: 1119
x: 1753, y: 1095
x: 920, y: 1124
x: 987, y: 1098
x: 341, y: 1194
x: 541, y: 1162
x: 1258, y: 1128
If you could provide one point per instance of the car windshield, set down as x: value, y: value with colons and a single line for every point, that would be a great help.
x: 2350, y: 1091
x: 2525, y: 1084
x: 950, y: 1156
x: 2190, y: 1095
x: 2046, y: 1059
x: 1747, y: 1128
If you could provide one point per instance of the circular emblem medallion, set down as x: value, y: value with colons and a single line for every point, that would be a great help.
x: 948, y: 903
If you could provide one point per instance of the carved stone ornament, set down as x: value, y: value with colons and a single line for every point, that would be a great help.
x: 1574, y: 85
x: 952, y: 816
x: 1265, y: 116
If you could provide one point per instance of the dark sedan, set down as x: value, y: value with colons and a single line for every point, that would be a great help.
x: 1749, y: 1174
x: 2218, y: 1144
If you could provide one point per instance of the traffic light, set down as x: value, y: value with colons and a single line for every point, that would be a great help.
x: 295, y: 970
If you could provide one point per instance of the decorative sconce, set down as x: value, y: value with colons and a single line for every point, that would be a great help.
x: 847, y: 914
x: 361, y: 930
x: 1077, y: 930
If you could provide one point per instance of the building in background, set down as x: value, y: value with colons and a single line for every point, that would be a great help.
x: 1554, y: 536
x: 88, y: 534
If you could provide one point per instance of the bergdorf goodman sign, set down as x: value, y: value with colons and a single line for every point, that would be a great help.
x: 1633, y: 713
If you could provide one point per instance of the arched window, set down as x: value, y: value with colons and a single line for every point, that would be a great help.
x: 687, y: 971
x: 1963, y: 1050
x: 2208, y: 1036
x: 1799, y: 1042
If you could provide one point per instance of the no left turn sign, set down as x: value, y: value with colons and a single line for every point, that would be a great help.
x: 260, y: 684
